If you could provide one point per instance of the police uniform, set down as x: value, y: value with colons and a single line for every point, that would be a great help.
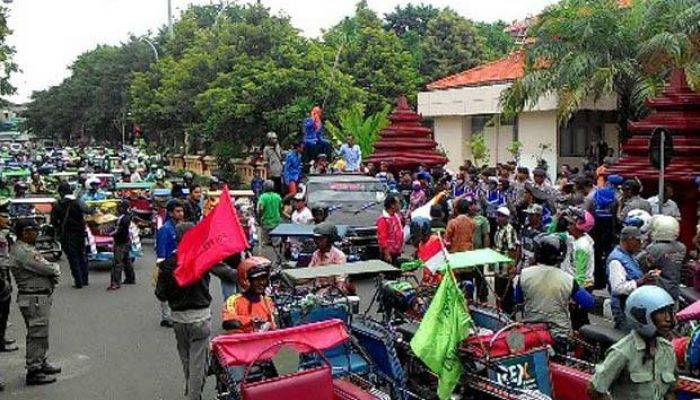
x: 36, y: 279
x: 5, y: 289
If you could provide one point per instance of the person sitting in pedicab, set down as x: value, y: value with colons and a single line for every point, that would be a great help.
x: 37, y: 185
x: 642, y: 365
x: 545, y: 290
x: 94, y: 193
x: 251, y: 310
x: 21, y: 193
x: 327, y: 254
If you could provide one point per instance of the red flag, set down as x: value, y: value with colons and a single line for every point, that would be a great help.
x: 217, y: 236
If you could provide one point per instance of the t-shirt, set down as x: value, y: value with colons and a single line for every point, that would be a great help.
x: 303, y: 217
x: 482, y: 229
x: 459, y: 233
x: 271, y: 204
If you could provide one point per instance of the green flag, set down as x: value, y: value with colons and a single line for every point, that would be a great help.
x: 446, y: 323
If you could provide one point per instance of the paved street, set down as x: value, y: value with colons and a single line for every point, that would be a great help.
x: 109, y: 343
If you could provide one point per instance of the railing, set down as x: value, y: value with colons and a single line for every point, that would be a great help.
x: 208, y: 165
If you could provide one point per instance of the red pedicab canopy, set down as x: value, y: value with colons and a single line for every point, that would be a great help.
x: 406, y: 143
x: 245, y: 348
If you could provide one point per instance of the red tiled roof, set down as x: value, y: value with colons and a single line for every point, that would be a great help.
x: 506, y: 69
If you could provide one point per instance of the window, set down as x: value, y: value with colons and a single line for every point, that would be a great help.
x: 479, y: 122
x: 583, y: 129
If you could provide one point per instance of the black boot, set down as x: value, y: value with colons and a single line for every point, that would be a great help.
x: 36, y: 377
x: 50, y: 369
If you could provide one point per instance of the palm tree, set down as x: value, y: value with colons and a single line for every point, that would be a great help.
x: 585, y: 49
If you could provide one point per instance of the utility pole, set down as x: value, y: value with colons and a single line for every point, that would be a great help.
x: 170, y: 17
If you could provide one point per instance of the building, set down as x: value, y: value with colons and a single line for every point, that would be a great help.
x: 467, y: 103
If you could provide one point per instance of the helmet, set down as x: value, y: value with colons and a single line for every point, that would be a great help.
x: 268, y: 186
x: 420, y: 225
x: 188, y: 175
x: 642, y: 303
x: 271, y: 135
x: 639, y: 218
x: 664, y: 228
x: 328, y: 230
x: 550, y: 249
x: 251, y: 268
x: 91, y: 181
x: 20, y: 185
x: 160, y: 174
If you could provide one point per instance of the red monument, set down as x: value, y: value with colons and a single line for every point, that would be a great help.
x: 406, y: 143
x: 677, y: 110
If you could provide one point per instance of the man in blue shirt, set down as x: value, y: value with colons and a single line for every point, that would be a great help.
x: 166, y: 244
x: 292, y: 168
x: 352, y: 154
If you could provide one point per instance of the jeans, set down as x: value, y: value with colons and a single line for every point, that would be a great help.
x: 74, y: 247
x: 193, y: 347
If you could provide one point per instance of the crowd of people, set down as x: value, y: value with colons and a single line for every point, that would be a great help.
x: 566, y: 236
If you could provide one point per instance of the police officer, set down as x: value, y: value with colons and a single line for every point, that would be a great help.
x: 6, y: 345
x: 36, y: 279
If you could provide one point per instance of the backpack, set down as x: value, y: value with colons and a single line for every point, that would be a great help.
x: 604, y: 199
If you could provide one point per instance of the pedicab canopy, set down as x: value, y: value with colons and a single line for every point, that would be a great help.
x: 245, y: 348
x: 406, y: 143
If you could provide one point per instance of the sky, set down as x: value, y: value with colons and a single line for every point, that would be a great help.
x: 49, y: 34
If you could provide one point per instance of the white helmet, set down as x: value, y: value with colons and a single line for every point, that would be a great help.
x: 664, y: 228
x: 639, y: 218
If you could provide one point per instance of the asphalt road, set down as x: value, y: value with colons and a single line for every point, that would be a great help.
x: 109, y: 344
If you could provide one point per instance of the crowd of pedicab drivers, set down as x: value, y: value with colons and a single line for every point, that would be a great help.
x: 572, y: 282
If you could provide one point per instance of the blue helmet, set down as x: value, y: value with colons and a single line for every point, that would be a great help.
x: 643, y: 302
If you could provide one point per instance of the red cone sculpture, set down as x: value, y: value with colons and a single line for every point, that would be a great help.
x: 406, y: 143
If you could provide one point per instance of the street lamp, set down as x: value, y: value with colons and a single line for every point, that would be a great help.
x: 170, y: 17
x: 152, y: 46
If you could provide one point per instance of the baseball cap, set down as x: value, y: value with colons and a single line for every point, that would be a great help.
x: 504, y: 211
x: 534, y: 209
x: 299, y: 196
x: 631, y: 232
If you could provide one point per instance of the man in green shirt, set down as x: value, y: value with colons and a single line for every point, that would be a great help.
x: 269, y: 211
x: 642, y: 365
x: 481, y: 239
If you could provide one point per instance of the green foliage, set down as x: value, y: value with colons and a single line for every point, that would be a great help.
x: 451, y: 45
x: 587, y: 49
x: 514, y: 148
x: 479, y: 148
x: 410, y: 19
x: 365, y: 130
x: 9, y: 67
x: 494, y: 41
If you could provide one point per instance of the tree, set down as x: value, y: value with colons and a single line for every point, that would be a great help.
x: 365, y: 130
x: 410, y: 18
x: 587, y: 49
x: 6, y: 52
x: 494, y: 40
x: 376, y: 59
x: 451, y: 45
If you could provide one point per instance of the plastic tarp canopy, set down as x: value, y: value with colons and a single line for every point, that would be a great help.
x: 134, y: 185
x: 245, y: 348
x: 473, y: 258
x: 355, y: 268
x: 302, y: 231
x: 34, y: 200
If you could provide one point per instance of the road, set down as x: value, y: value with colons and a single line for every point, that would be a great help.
x: 109, y: 344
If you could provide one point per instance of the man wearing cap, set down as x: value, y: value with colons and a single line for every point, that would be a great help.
x: 93, y: 190
x: 505, y: 241
x: 625, y: 273
x: 541, y: 183
x: 302, y: 214
x: 36, y: 279
x: 631, y: 200
x: 272, y: 155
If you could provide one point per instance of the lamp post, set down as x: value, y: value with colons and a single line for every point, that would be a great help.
x: 170, y: 17
x: 152, y: 46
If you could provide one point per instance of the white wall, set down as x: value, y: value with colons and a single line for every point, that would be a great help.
x: 611, y: 135
x: 450, y: 135
x: 535, y: 128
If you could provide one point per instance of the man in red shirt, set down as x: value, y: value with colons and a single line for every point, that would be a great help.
x: 390, y: 230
